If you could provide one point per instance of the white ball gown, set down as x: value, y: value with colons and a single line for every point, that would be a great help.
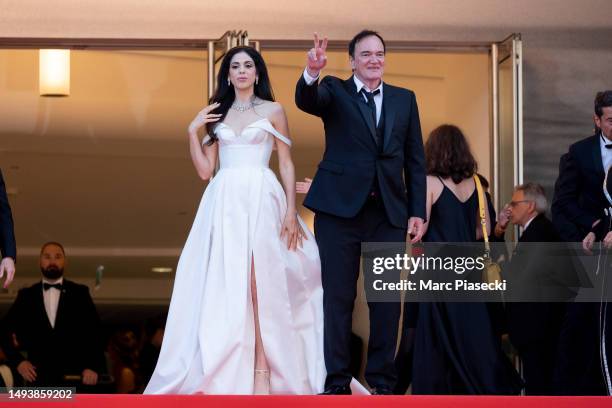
x: 209, y: 341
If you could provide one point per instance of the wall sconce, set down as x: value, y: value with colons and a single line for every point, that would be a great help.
x: 54, y: 72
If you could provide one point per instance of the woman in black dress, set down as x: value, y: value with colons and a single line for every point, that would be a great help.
x: 456, y: 348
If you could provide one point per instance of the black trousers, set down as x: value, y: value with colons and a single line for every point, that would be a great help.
x: 339, y: 241
x: 578, y: 369
x: 535, y: 329
x: 538, y: 367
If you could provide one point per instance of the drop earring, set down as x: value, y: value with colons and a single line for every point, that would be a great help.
x: 229, y: 83
x: 256, y: 80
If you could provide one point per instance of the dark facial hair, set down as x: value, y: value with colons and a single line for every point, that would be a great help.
x: 52, y: 272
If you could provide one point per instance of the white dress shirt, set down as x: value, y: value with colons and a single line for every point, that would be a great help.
x: 606, y: 154
x: 51, y: 298
x: 529, y: 222
x: 378, y: 99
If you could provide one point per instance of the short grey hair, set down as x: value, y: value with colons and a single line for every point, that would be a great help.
x: 534, y: 192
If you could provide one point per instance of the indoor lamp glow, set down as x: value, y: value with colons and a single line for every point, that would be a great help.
x: 54, y: 72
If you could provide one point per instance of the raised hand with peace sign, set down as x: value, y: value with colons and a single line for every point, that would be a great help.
x: 316, y: 56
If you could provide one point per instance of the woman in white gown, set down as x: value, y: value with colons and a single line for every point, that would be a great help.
x: 246, y: 311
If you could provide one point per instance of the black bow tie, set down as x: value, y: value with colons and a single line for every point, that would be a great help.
x: 57, y: 286
x: 606, y: 144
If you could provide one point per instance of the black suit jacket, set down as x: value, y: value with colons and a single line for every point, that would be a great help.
x: 540, y: 272
x: 7, y: 233
x: 73, y: 345
x: 579, y: 200
x: 351, y: 158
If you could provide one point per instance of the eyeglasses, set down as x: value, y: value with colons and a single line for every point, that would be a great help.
x: 515, y: 203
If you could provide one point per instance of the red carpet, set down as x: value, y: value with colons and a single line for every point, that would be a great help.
x: 209, y: 401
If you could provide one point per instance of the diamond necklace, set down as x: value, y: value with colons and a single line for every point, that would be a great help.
x: 242, y: 108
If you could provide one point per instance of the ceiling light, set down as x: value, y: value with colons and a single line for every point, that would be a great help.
x: 161, y: 269
x: 54, y: 72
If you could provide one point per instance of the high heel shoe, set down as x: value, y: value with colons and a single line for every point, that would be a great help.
x: 261, y: 384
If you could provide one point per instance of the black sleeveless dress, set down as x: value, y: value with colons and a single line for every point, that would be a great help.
x: 456, y: 348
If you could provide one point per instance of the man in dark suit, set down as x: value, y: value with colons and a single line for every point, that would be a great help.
x: 372, y: 139
x: 8, y: 249
x: 579, y: 199
x: 55, y: 322
x: 535, y: 277
x: 577, y: 206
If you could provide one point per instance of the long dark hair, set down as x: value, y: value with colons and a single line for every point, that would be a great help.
x: 448, y: 154
x: 124, y: 353
x: 225, y: 94
x: 124, y: 348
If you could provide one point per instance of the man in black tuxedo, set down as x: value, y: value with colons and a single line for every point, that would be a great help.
x: 55, y: 322
x: 577, y: 206
x: 372, y: 139
x: 536, y: 279
x: 579, y: 199
x: 8, y: 249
